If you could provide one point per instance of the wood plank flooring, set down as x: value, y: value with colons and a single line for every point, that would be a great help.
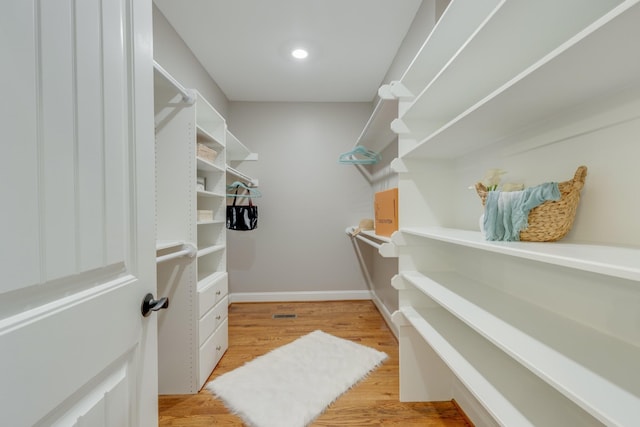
x: 373, y: 402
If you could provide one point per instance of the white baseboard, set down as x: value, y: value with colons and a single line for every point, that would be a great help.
x: 298, y: 296
x: 316, y: 296
x: 386, y: 315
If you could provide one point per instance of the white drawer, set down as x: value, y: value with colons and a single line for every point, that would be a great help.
x: 212, y: 319
x: 212, y: 350
x: 212, y: 293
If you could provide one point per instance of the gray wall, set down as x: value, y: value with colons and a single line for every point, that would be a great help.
x: 170, y: 51
x: 308, y: 199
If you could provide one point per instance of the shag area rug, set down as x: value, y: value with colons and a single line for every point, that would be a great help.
x: 293, y: 384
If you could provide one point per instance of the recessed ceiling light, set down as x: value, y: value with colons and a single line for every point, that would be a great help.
x: 299, y: 53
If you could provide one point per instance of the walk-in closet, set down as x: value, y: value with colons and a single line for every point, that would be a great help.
x: 302, y: 213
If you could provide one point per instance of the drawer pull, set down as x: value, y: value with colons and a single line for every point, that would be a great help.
x: 218, y: 317
x: 218, y: 292
x: 218, y: 348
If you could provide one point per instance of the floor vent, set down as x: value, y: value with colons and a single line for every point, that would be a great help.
x: 284, y: 316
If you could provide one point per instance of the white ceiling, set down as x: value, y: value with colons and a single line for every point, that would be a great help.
x: 245, y: 45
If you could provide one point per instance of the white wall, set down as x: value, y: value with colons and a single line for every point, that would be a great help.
x: 170, y: 51
x: 424, y: 21
x: 308, y: 199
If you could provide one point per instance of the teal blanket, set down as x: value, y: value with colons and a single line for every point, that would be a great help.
x: 506, y: 213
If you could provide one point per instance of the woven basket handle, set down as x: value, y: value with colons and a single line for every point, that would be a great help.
x: 579, y: 177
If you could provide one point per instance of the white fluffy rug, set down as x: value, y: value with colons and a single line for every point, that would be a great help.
x: 291, y: 385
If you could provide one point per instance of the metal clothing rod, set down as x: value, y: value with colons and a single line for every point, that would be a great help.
x: 187, y: 95
x: 189, y: 251
x: 368, y: 241
x: 348, y: 230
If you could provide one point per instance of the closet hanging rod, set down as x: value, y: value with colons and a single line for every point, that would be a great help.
x: 369, y: 242
x: 189, y: 250
x: 349, y: 231
x: 187, y: 95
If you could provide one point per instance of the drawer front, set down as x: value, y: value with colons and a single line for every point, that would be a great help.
x: 211, y: 294
x: 212, y: 319
x: 212, y: 350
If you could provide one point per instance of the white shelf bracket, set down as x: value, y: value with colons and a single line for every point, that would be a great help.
x: 384, y: 92
x: 399, y: 127
x: 398, y: 166
x: 399, y: 319
x: 388, y: 250
x: 400, y: 91
x: 398, y: 238
x: 397, y: 281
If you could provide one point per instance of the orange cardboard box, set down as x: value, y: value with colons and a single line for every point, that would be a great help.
x: 386, y: 212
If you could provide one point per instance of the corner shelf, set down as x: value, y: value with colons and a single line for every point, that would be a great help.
x: 496, y: 379
x: 455, y: 27
x: 621, y: 262
x: 563, y: 353
x: 570, y: 75
x: 495, y: 59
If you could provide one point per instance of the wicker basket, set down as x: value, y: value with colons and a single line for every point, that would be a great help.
x: 551, y: 221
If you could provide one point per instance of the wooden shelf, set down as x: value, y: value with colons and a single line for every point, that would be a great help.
x: 612, y: 261
x: 569, y: 76
x: 494, y: 378
x: 564, y: 353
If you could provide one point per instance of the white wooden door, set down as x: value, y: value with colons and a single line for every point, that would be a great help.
x: 77, y: 214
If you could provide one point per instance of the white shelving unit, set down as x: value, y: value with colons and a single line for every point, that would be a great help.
x: 521, y: 333
x: 192, y: 331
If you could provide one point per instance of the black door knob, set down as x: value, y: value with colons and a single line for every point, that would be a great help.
x: 149, y: 304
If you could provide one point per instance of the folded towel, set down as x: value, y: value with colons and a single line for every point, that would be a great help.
x: 506, y: 213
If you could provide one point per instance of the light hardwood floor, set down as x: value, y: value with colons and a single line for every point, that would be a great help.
x: 373, y: 402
